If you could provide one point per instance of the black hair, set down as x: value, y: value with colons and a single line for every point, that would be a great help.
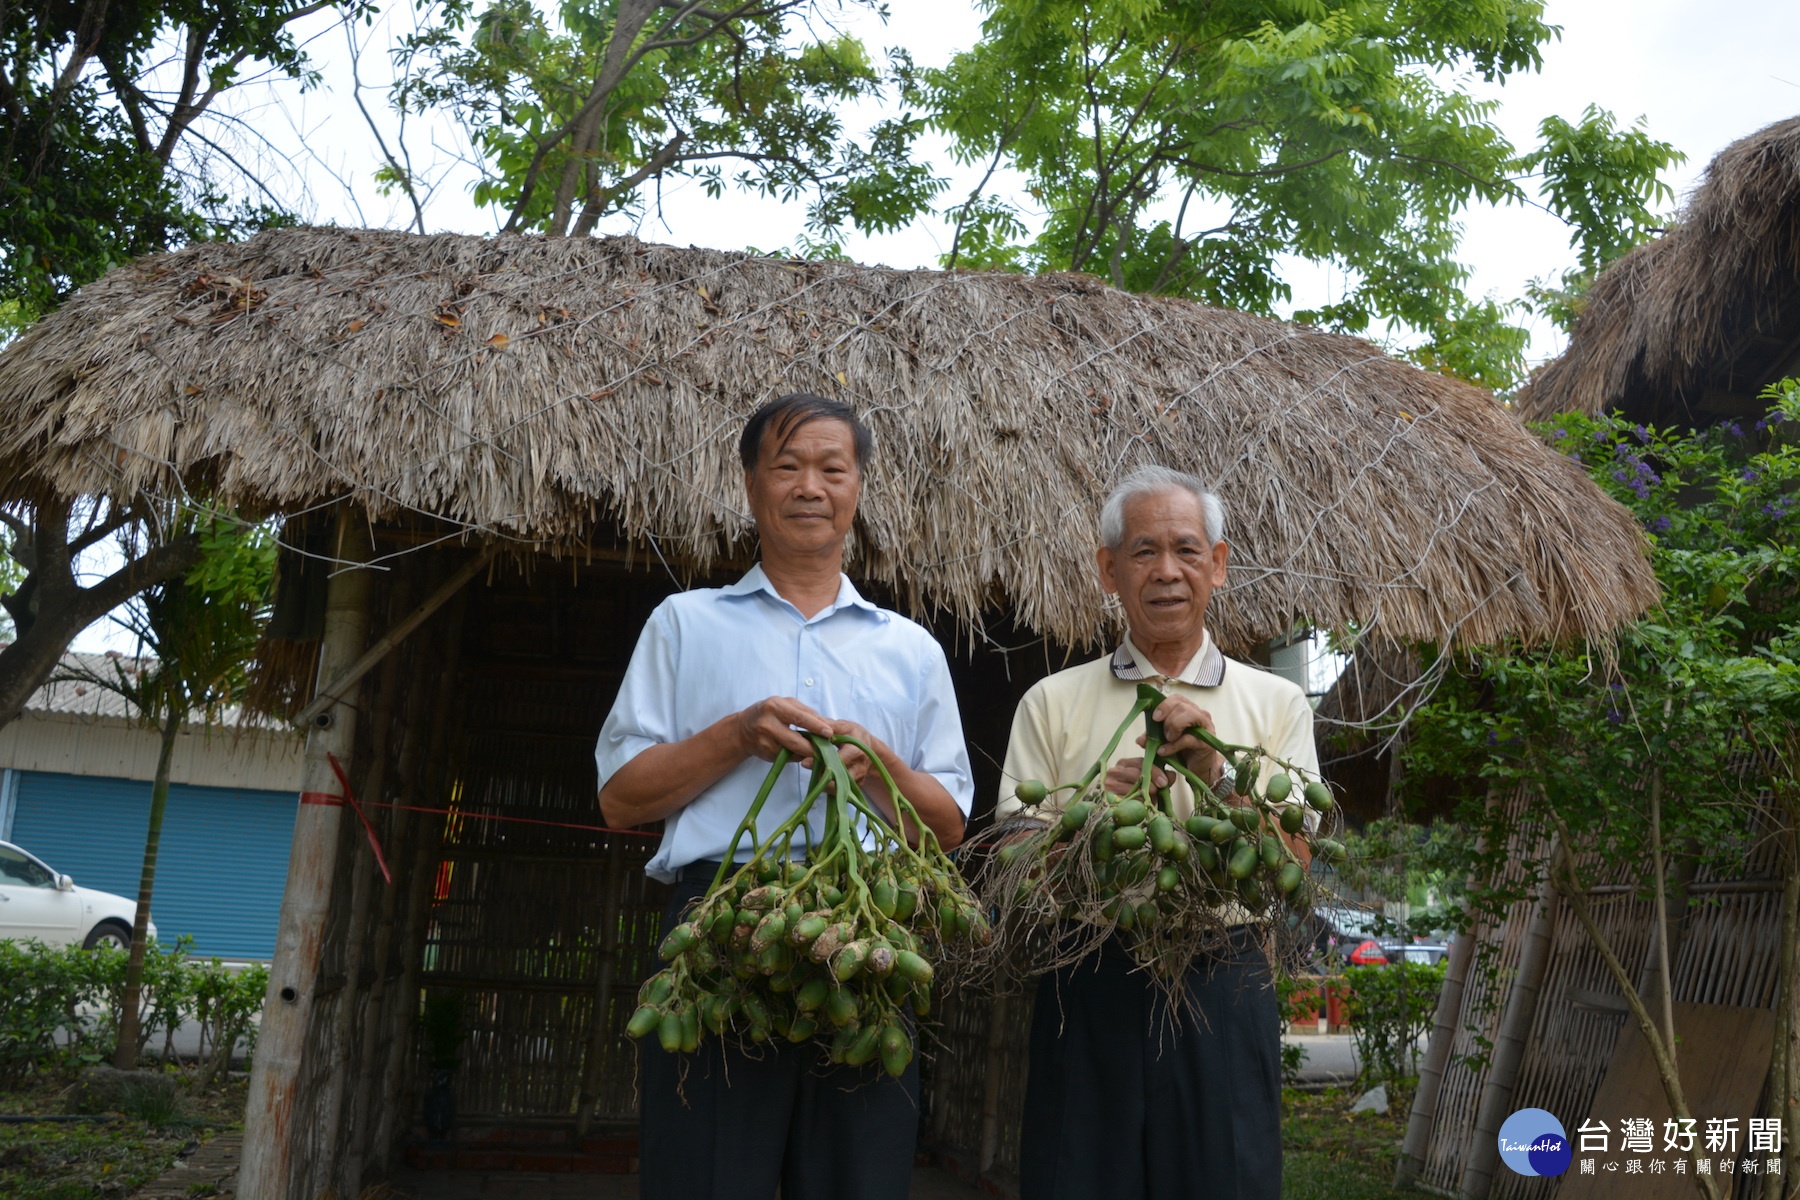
x: 788, y: 413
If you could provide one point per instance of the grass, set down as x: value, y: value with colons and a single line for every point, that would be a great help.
x: 1330, y: 1153
x: 105, y: 1160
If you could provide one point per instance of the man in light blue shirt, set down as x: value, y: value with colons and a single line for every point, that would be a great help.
x: 721, y: 680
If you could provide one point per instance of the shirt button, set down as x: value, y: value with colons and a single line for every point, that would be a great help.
x: 809, y: 681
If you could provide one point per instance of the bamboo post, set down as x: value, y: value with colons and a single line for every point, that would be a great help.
x: 395, y: 1107
x: 991, y: 1078
x: 1444, y: 1020
x: 1437, y: 1058
x: 1509, y: 1044
x: 399, y: 834
x: 267, y: 1169
x: 941, y: 1073
x: 601, y: 1037
x: 347, y: 1068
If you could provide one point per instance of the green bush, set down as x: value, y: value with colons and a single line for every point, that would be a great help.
x: 59, y: 1008
x: 45, y: 993
x: 1389, y: 1008
x: 225, y: 1004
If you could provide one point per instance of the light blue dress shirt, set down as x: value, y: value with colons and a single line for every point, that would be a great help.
x: 710, y: 652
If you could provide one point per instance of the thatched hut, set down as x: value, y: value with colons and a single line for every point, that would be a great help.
x: 1689, y: 328
x: 553, y: 420
x: 1686, y: 330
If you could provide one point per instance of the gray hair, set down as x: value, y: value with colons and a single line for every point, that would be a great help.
x: 1151, y: 481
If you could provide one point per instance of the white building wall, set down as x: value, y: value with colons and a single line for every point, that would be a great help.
x: 88, y: 745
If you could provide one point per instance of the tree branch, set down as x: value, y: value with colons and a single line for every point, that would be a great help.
x: 1663, y: 1055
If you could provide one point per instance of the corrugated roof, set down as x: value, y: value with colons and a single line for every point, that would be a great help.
x: 65, y: 695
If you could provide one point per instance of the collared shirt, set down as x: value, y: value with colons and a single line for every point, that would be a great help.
x: 710, y: 652
x: 1064, y: 722
x: 1205, y: 670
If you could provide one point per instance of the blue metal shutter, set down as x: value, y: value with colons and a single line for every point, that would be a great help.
x: 221, y: 868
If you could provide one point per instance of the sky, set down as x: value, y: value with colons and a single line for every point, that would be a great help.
x: 1700, y: 74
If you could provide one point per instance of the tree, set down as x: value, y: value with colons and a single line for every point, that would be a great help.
x: 197, y: 633
x: 1188, y: 148
x: 576, y: 117
x: 90, y: 174
x: 49, y: 605
x: 93, y: 125
x: 1634, y: 751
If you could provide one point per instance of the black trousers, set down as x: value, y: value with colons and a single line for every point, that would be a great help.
x: 1130, y: 1100
x: 732, y: 1124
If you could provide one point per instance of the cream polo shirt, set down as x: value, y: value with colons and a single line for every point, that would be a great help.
x: 1064, y: 722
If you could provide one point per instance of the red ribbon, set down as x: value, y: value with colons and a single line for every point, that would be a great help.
x: 349, y: 796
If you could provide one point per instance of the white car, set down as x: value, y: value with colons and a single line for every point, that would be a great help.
x: 36, y: 902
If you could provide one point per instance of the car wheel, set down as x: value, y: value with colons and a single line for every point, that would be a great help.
x: 110, y: 934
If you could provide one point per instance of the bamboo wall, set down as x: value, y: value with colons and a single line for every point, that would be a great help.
x: 1727, y: 955
x: 975, y: 1081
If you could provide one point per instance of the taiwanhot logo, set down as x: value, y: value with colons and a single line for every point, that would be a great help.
x: 1532, y: 1142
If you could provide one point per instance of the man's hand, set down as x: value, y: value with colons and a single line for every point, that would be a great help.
x: 1178, y: 715
x: 1125, y: 774
x: 927, y: 796
x: 768, y: 727
x: 856, y: 762
x: 665, y: 778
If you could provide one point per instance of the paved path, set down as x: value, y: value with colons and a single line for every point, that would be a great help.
x: 211, y: 1171
x: 1330, y: 1058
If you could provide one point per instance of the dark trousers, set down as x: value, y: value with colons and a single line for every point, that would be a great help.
x: 1128, y: 1099
x: 732, y: 1124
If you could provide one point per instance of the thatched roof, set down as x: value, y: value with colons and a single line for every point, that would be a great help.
x: 1689, y: 328
x: 554, y: 391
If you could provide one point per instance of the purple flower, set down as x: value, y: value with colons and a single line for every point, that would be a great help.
x: 1660, y: 525
x: 1620, y: 476
x: 1599, y: 435
x: 1750, y: 476
x: 1643, y: 435
x: 1733, y: 428
x: 1642, y: 489
x: 1762, y: 425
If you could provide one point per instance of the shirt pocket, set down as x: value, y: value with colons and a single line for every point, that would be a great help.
x: 887, y: 712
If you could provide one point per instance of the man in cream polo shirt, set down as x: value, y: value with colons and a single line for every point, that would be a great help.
x: 1125, y: 1099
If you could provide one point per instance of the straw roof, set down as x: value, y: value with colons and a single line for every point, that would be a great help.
x: 562, y: 391
x: 1689, y: 328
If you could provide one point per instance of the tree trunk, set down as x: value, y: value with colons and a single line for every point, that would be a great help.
x: 50, y: 607
x: 126, y: 1056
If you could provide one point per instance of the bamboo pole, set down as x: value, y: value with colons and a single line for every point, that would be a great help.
x: 1444, y: 1019
x: 400, y: 834
x: 396, y: 1106
x: 1509, y: 1044
x: 600, y: 1039
x: 347, y: 1068
x: 267, y: 1171
x: 991, y: 1072
x: 347, y: 678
